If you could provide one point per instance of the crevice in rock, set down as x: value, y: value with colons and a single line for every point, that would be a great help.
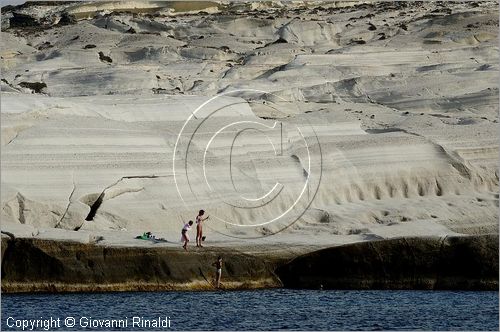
x: 67, y: 207
x: 95, y: 207
x: 98, y: 202
x: 35, y: 87
x: 104, y: 58
x: 13, y: 138
x: 20, y: 201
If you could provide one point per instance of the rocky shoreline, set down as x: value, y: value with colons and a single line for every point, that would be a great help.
x: 462, y: 263
x: 458, y: 262
x: 31, y: 265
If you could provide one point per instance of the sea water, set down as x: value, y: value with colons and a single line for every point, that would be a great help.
x: 253, y: 310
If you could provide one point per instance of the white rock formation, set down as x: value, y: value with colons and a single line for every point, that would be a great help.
x: 349, y: 122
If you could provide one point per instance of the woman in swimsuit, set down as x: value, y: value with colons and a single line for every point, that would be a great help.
x: 184, y: 234
x: 218, y: 273
x: 199, y: 227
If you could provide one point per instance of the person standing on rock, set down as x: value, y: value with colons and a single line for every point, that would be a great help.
x: 184, y: 233
x: 199, y: 227
x: 218, y: 272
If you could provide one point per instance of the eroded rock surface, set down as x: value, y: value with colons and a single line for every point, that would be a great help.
x: 468, y: 262
x: 398, y: 102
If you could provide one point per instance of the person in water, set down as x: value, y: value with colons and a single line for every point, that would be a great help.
x: 184, y: 233
x: 218, y: 272
x: 199, y: 227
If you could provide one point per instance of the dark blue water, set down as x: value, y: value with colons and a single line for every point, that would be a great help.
x: 262, y: 310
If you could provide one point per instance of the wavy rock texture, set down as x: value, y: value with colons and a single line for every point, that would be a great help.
x: 397, y: 103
